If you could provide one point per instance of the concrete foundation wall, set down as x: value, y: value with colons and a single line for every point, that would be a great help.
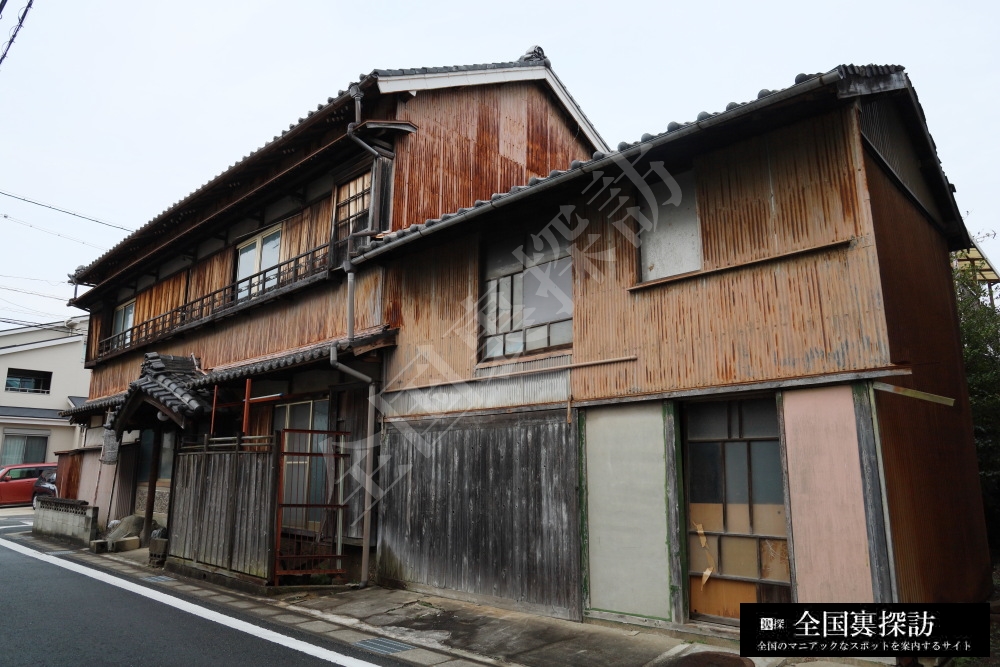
x: 73, y: 522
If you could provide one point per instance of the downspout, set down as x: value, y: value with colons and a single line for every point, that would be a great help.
x: 355, y: 92
x: 369, y: 453
x: 350, y: 304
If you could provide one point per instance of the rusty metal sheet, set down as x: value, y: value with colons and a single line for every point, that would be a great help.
x: 938, y: 538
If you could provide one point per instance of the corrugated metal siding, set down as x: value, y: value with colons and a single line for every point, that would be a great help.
x: 882, y: 125
x: 218, y: 495
x: 541, y: 388
x: 434, y: 305
x: 489, y: 507
x: 939, y: 538
x: 802, y: 315
x: 497, y: 136
x: 68, y: 475
x: 785, y: 191
x: 315, y: 315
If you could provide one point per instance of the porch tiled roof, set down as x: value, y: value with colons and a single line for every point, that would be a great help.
x: 176, y: 381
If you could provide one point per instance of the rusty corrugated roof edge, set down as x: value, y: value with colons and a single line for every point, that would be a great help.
x: 890, y: 77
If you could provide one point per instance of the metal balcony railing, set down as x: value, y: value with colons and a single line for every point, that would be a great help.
x: 250, y: 290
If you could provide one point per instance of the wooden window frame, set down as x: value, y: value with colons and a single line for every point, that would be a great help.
x: 258, y: 239
x: 346, y: 233
x: 512, y: 320
x: 691, y: 532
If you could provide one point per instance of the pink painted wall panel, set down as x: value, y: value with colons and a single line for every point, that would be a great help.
x: 824, y: 486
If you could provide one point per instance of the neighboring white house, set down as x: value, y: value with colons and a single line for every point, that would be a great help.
x: 43, y: 372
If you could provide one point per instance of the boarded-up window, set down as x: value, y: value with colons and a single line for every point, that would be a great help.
x: 669, y: 233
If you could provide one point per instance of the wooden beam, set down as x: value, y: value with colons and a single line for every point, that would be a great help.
x: 913, y: 393
x: 154, y: 473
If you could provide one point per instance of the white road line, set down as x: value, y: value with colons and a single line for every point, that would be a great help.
x: 201, y: 612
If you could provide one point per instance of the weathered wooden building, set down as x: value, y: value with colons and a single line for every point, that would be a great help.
x: 216, y: 325
x: 718, y: 365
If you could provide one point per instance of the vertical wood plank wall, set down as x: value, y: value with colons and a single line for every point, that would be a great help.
x: 473, y: 142
x: 489, y: 509
x: 939, y: 539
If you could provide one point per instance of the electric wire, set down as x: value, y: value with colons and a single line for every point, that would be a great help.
x: 49, y: 231
x: 24, y: 291
x: 16, y: 29
x: 62, y: 210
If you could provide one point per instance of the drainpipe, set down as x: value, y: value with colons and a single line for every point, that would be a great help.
x: 350, y: 301
x: 355, y: 92
x: 369, y: 454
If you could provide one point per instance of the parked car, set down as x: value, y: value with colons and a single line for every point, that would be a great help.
x: 17, y: 482
x: 45, y: 485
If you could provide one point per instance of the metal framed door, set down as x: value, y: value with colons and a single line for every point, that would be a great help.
x: 309, y: 522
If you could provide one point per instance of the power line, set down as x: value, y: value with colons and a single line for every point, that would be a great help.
x: 40, y: 280
x: 17, y: 29
x: 49, y: 231
x: 62, y: 210
x: 24, y: 291
x: 52, y: 326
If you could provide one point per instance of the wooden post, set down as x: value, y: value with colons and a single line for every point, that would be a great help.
x: 154, y: 473
x: 245, y: 428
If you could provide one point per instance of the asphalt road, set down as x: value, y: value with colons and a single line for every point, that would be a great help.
x: 54, y: 616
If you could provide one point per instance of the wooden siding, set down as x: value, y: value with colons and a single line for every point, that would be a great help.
x: 939, y: 539
x: 473, y: 142
x: 162, y: 297
x: 211, y: 273
x: 308, y: 229
x: 95, y: 332
x: 489, y: 508
x: 315, y: 315
x: 223, y: 513
x: 813, y: 313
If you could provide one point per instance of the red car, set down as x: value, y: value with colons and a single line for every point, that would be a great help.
x: 17, y: 482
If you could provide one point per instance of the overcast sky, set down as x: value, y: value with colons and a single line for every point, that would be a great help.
x: 116, y: 110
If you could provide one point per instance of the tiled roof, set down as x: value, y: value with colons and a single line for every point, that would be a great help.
x: 803, y: 83
x: 97, y: 405
x: 535, y: 57
x: 175, y: 381
x: 29, y: 413
x: 166, y: 379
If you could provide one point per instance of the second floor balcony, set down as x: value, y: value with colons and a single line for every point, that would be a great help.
x: 309, y: 267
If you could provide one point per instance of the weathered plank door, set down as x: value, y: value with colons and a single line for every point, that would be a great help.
x: 223, y: 507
